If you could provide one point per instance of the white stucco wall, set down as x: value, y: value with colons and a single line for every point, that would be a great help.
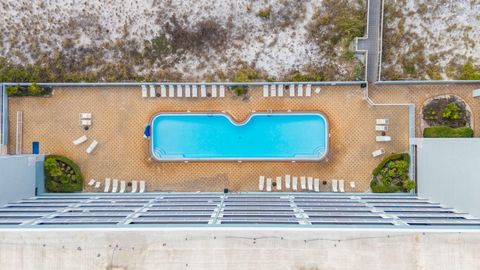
x: 239, y: 248
x: 17, y: 177
x: 449, y: 172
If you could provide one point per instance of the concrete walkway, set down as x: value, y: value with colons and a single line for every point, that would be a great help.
x: 371, y: 42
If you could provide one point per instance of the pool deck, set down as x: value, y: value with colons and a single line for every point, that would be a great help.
x: 120, y: 114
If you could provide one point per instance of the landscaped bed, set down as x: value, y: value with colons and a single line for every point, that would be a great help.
x: 446, y: 117
x: 30, y: 90
x: 391, y: 175
x: 62, y: 175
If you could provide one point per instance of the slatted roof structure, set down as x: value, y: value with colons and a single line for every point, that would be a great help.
x: 242, y: 209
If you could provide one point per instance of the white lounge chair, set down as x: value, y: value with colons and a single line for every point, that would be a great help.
x: 265, y: 91
x: 144, y: 91
x: 214, y: 91
x: 300, y: 90
x: 98, y: 184
x: 107, y: 184
x: 310, y: 183
x: 85, y: 116
x: 86, y: 122
x: 194, y: 91
x: 316, y: 185
x: 188, y: 93
x: 279, y: 182
x: 303, y: 182
x: 80, y: 140
x: 291, y: 89
x: 134, y: 186
x: 378, y: 152
x: 152, y: 91
x: 273, y: 90
x: 381, y: 128
x: 341, y: 185
x: 280, y: 90
x: 382, y: 121
x: 179, y: 90
x: 222, y: 90
x: 114, y: 185
x: 294, y: 183
x: 142, y: 187
x: 308, y: 90
x: 476, y: 93
x: 163, y: 91
x: 334, y: 185
x: 91, y: 182
x: 352, y: 184
x: 383, y: 138
x: 122, y: 187
x: 261, y: 182
x: 318, y: 90
x: 92, y: 147
x: 171, y: 91
x: 287, y: 181
x: 269, y: 184
x: 203, y: 90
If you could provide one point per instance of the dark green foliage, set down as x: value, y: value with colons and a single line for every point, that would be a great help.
x: 391, y: 175
x: 62, y: 175
x: 240, y: 89
x: 447, y: 132
x: 31, y: 90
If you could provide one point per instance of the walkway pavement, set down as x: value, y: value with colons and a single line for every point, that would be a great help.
x: 371, y: 43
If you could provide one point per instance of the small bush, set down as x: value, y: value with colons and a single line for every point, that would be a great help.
x: 13, y: 90
x: 264, y: 13
x: 31, y: 90
x: 240, y: 89
x: 469, y: 72
x: 451, y: 111
x: 447, y: 132
x: 391, y: 175
x: 62, y: 175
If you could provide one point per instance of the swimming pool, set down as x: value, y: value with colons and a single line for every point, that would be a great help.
x: 263, y: 136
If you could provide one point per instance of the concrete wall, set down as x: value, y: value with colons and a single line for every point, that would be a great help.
x: 241, y: 249
x: 449, y: 172
x: 18, y: 176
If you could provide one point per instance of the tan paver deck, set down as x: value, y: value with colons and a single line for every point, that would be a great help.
x: 120, y: 114
x: 418, y: 94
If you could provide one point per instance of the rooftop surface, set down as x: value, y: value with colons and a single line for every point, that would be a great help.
x: 294, y: 209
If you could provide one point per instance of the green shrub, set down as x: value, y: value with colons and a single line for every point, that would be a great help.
x: 391, y: 175
x: 451, y: 111
x: 338, y: 21
x: 62, y: 175
x: 31, y: 90
x: 34, y: 90
x: 447, y: 132
x: 265, y: 13
x: 245, y: 74
x: 240, y: 89
x: 13, y: 90
x: 469, y: 72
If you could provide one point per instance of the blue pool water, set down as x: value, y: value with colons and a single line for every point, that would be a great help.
x: 286, y: 136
